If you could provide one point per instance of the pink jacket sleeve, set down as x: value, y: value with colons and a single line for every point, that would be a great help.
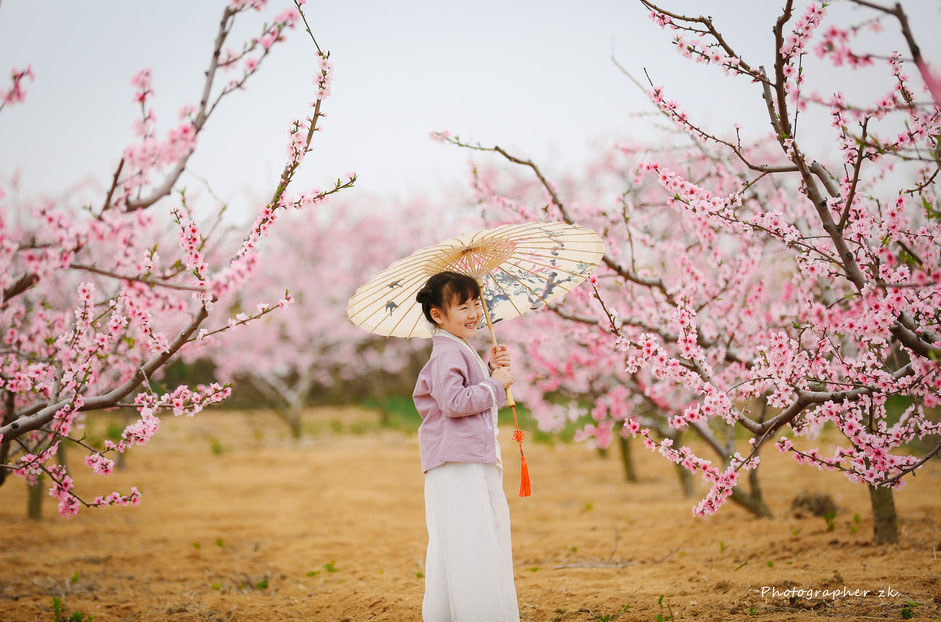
x: 457, y: 400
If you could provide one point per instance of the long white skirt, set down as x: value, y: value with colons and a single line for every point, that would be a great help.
x: 469, y: 562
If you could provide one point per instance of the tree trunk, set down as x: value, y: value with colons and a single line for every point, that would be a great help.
x: 119, y: 460
x: 293, y: 419
x: 885, y: 527
x: 36, y: 491
x: 752, y: 500
x: 627, y: 459
x: 60, y: 456
x: 384, y: 419
x: 8, y: 407
x: 382, y: 397
x: 4, y: 449
x: 337, y: 394
x: 291, y: 413
x: 754, y: 505
x: 294, y: 422
x: 686, y: 480
x: 34, y: 500
x: 684, y: 475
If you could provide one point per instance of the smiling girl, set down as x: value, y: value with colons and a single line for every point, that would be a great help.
x: 469, y: 561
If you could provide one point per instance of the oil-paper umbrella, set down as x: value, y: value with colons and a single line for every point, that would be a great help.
x: 520, y: 268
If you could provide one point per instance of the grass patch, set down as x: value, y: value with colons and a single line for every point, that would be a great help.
x: 216, y: 447
x: 664, y: 616
x: 400, y: 413
x: 61, y: 614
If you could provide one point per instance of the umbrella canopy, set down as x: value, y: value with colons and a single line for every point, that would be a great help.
x: 521, y: 267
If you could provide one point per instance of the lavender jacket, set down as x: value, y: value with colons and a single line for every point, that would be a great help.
x: 454, y: 399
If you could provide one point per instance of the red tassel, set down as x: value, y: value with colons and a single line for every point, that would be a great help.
x: 525, y: 488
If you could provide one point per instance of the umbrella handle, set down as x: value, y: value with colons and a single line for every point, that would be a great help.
x: 493, y: 338
x: 525, y: 485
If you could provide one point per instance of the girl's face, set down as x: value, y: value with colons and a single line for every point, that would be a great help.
x: 461, y: 319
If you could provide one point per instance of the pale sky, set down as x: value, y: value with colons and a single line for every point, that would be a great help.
x: 534, y: 76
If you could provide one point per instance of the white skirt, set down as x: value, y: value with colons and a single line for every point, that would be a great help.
x: 469, y: 562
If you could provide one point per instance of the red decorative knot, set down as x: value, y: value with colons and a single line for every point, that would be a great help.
x: 518, y: 436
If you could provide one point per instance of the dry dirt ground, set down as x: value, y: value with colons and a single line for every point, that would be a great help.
x: 238, y: 522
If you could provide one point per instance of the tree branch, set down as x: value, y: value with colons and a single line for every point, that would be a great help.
x: 911, y: 468
x: 37, y: 416
x: 127, y: 277
x: 225, y: 25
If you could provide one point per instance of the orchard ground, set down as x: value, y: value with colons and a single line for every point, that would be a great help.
x: 239, y: 522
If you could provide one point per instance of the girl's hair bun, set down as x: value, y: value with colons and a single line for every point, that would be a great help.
x: 423, y: 295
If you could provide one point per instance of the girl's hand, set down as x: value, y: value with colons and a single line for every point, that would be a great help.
x: 499, y: 356
x: 503, y: 376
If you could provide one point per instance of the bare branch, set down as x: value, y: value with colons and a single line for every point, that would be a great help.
x: 932, y: 82
x: 825, y: 178
x: 711, y: 30
x: 779, y: 79
x: 307, y: 26
x: 769, y: 102
x: 627, y: 274
x: 18, y: 287
x: 141, y: 279
x: 202, y: 115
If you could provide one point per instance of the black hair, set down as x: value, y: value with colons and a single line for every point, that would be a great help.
x: 446, y: 286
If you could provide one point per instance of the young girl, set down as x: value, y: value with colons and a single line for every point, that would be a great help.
x: 469, y: 562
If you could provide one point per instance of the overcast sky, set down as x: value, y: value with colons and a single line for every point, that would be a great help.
x: 531, y: 75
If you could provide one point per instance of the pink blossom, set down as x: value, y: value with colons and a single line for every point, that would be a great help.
x: 17, y: 94
x: 269, y: 38
x: 99, y: 464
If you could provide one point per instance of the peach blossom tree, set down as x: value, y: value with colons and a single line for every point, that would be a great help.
x: 95, y: 300
x: 754, y: 287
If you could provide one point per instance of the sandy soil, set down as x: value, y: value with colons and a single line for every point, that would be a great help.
x: 238, y: 522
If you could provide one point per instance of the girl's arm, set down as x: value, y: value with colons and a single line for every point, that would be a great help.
x: 457, y: 400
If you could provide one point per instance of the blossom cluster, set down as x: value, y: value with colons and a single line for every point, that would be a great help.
x: 16, y: 94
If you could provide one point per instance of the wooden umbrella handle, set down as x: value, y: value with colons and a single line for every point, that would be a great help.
x: 509, y: 394
x: 525, y: 484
